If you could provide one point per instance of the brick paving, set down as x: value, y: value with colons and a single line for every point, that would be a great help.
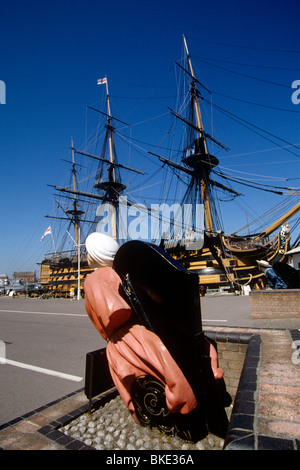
x: 268, y: 415
x: 267, y: 409
x: 23, y: 432
x: 279, y: 388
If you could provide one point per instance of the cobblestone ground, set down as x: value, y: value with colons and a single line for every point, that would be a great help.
x: 113, y: 428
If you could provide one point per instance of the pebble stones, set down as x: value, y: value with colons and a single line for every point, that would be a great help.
x: 112, y: 428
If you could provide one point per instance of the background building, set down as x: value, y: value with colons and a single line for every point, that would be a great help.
x: 26, y: 276
x: 3, y: 280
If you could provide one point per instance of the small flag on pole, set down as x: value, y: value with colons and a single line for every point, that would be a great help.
x: 101, y: 81
x: 47, y: 232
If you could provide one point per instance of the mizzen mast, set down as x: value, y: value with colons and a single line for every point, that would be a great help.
x: 75, y: 212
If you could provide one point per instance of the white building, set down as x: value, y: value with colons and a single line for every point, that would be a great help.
x: 3, y: 280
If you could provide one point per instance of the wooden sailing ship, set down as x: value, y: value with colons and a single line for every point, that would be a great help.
x: 219, y: 259
x: 223, y: 260
x: 64, y: 271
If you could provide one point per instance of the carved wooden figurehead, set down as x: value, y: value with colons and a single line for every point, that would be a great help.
x: 165, y: 298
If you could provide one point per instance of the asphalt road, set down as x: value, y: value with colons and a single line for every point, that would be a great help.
x: 234, y: 311
x: 45, y: 343
x: 53, y: 335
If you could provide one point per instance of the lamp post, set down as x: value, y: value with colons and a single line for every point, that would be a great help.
x: 78, y: 258
x: 78, y: 261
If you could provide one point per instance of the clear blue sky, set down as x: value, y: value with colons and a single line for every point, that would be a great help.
x: 53, y: 52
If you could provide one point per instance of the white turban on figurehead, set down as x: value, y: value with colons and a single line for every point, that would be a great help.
x: 101, y: 249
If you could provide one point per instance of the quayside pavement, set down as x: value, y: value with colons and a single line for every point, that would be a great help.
x: 277, y: 418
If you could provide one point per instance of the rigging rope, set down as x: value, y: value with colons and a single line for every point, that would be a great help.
x: 243, y: 121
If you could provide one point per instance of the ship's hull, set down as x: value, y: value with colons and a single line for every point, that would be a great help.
x: 224, y: 261
x: 59, y: 275
x: 230, y: 262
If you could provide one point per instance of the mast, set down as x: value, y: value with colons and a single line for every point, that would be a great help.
x: 108, y: 187
x: 75, y: 212
x: 75, y: 197
x: 110, y: 133
x: 112, y: 175
x: 112, y: 186
x: 195, y: 98
x: 201, y: 148
x: 196, y: 160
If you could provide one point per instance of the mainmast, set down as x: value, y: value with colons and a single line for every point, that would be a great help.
x: 195, y: 98
x: 201, y: 161
x: 196, y: 161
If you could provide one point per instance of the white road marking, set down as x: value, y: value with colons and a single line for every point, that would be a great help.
x: 203, y: 319
x: 47, y: 313
x: 54, y: 373
x: 79, y: 314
